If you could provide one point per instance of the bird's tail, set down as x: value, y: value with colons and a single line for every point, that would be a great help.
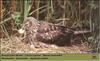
x: 81, y: 32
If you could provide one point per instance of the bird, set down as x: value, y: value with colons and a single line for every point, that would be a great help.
x: 41, y: 31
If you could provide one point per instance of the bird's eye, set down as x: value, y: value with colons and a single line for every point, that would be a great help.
x: 26, y: 29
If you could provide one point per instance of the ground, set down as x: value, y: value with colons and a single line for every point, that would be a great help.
x: 14, y: 45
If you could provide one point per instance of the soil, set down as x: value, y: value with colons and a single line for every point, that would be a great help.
x: 15, y: 45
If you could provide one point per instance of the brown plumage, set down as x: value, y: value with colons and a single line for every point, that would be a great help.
x: 41, y: 31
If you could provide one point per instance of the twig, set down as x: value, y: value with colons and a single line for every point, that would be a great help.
x: 37, y: 9
x: 5, y: 20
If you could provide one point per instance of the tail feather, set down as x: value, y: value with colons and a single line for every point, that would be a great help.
x: 81, y: 32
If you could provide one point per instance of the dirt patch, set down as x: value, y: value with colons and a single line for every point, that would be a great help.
x: 14, y: 45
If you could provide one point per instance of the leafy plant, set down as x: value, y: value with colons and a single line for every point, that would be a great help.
x: 16, y: 16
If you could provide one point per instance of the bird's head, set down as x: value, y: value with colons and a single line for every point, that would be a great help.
x: 28, y: 24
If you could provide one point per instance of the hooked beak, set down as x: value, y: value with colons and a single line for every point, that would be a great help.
x: 21, y: 31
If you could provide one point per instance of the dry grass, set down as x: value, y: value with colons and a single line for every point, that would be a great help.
x: 16, y: 46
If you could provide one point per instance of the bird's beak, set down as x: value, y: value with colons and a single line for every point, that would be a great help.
x: 21, y: 31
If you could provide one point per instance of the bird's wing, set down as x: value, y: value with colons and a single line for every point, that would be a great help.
x: 45, y: 27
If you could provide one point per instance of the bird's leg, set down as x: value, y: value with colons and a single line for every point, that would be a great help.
x: 34, y: 41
